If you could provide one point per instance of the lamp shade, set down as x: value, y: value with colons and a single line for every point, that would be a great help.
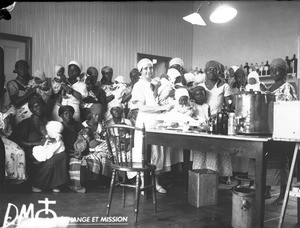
x: 194, y: 19
x: 223, y: 14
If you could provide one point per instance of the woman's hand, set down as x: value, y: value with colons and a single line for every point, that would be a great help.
x: 168, y: 107
x: 68, y: 89
x: 31, y: 90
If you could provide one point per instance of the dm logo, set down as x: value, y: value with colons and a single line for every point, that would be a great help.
x: 6, y: 6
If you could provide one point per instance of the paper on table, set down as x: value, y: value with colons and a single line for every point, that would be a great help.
x: 177, y: 117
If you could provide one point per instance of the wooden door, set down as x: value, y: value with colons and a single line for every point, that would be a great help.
x: 15, y: 48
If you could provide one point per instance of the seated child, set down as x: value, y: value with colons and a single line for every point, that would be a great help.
x: 254, y: 83
x: 118, y: 116
x: 58, y: 79
x: 201, y: 109
x: 53, y: 144
x: 165, y: 90
x: 182, y: 102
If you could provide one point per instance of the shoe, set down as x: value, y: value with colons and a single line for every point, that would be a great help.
x: 78, y: 190
x: 160, y: 189
x: 34, y: 189
x: 56, y: 190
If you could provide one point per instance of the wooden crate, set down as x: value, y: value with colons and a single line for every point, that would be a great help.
x: 203, y: 187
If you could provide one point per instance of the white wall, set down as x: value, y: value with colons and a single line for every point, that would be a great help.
x: 102, y: 33
x: 262, y: 30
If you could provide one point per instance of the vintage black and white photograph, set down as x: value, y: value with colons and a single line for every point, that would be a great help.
x: 149, y: 114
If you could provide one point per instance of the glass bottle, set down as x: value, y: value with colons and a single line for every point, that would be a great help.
x: 246, y: 67
x: 288, y: 61
x: 256, y: 68
x: 231, y: 119
x: 222, y: 121
x: 294, y: 64
x: 261, y: 69
x: 251, y: 68
x: 267, y: 68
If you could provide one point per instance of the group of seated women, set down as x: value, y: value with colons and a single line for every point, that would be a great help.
x: 56, y: 128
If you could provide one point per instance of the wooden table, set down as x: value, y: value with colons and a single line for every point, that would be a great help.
x: 240, y: 145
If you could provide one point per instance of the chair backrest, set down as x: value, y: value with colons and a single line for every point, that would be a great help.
x: 120, y: 142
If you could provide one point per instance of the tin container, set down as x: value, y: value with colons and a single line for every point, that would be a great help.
x: 254, y: 113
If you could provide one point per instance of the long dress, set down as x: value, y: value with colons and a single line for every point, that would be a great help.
x: 143, y: 93
x: 14, y: 155
x: 44, y: 175
x: 210, y: 159
x: 16, y: 87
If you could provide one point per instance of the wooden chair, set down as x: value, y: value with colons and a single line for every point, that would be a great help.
x: 120, y: 143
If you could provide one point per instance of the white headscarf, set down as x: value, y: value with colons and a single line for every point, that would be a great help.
x: 199, y: 78
x: 119, y: 79
x: 234, y: 68
x: 73, y: 62
x: 173, y: 74
x: 40, y: 74
x: 189, y: 77
x: 181, y: 92
x: 143, y: 62
x: 256, y: 86
x: 57, y: 67
x: 176, y: 60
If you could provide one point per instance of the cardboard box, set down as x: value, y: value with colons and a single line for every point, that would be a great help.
x: 286, y: 120
x: 203, y: 187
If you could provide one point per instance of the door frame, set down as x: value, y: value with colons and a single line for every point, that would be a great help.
x: 28, y: 46
x: 158, y: 58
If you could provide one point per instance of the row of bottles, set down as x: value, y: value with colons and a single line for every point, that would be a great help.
x: 264, y: 68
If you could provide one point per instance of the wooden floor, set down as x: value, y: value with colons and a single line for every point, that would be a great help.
x: 173, y: 208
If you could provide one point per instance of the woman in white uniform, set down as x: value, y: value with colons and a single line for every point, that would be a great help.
x: 143, y: 98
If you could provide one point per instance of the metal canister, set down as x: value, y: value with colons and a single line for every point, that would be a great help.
x: 254, y: 112
x: 242, y: 207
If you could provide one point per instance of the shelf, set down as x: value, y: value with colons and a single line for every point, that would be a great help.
x: 269, y: 76
x: 268, y: 80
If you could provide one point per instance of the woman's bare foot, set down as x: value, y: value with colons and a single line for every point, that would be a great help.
x: 268, y: 195
x: 228, y: 181
x: 278, y: 201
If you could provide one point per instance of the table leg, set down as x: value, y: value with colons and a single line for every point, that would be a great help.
x: 260, y: 179
x: 185, y: 169
x: 288, y: 186
x: 147, y: 178
x: 298, y: 199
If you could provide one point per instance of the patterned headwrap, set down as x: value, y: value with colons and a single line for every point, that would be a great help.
x: 195, y: 89
x: 96, y: 109
x: 214, y: 64
x: 143, y: 62
x: 279, y: 63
